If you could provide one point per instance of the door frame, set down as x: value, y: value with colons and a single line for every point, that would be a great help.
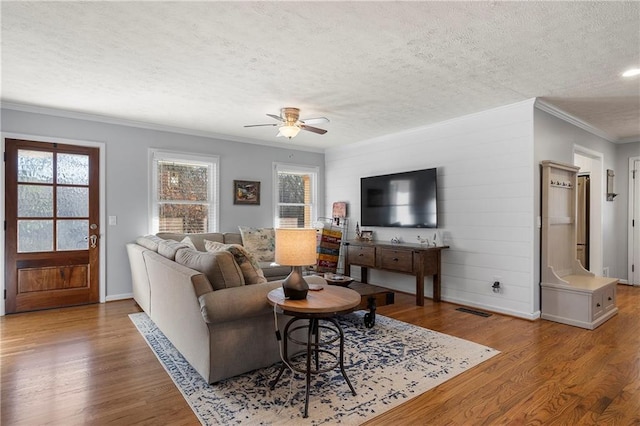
x: 634, y: 252
x: 596, y: 222
x: 101, y: 241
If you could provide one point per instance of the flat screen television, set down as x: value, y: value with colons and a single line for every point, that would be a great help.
x: 407, y: 200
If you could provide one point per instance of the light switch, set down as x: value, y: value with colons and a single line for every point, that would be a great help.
x: 113, y: 220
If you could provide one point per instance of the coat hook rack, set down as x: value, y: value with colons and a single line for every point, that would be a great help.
x: 610, y: 194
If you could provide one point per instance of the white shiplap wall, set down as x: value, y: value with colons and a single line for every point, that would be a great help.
x: 486, y: 207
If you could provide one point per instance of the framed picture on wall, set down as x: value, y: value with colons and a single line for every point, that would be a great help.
x: 246, y: 192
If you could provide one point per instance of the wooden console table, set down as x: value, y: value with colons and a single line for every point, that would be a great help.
x: 405, y: 258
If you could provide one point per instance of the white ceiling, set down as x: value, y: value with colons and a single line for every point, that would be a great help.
x: 372, y: 68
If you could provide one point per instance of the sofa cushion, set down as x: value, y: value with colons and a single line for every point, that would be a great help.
x: 168, y: 248
x: 149, y: 242
x: 251, y: 271
x: 196, y: 239
x: 220, y: 268
x: 261, y: 242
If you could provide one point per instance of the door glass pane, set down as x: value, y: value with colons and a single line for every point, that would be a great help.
x: 73, y: 202
x: 35, y: 166
x: 35, y: 235
x: 73, y: 235
x: 73, y: 169
x: 35, y: 201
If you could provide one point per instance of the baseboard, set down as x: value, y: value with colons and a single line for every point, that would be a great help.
x: 495, y: 309
x: 124, y: 296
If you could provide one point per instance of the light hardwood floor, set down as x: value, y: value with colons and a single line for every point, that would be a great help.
x: 89, y: 365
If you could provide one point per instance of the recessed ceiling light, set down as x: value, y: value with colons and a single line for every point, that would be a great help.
x: 631, y: 72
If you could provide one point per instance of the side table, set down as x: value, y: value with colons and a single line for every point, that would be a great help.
x: 321, y: 305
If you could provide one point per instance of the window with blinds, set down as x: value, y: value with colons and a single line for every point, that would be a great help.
x: 296, y: 204
x: 184, y: 193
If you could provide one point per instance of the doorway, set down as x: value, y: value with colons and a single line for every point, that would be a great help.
x: 591, y: 163
x: 634, y: 218
x: 52, y: 212
x: 582, y: 222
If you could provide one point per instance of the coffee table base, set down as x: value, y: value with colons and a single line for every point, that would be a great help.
x: 314, y: 345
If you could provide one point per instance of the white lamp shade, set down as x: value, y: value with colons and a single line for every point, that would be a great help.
x: 289, y: 131
x: 295, y: 246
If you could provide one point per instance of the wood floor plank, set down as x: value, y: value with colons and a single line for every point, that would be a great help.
x: 89, y: 365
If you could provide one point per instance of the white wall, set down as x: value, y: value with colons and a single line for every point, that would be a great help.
x: 486, y: 207
x: 127, y: 177
x: 556, y: 139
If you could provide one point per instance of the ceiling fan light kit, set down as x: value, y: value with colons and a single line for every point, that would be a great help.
x: 289, y: 131
x: 291, y: 124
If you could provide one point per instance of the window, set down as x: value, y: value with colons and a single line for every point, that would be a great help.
x: 184, y: 193
x: 296, y: 197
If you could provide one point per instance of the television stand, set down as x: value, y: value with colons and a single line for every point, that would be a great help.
x: 405, y: 258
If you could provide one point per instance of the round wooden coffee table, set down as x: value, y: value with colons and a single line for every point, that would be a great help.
x: 321, y: 305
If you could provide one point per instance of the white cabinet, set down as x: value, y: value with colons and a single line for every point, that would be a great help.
x: 570, y: 294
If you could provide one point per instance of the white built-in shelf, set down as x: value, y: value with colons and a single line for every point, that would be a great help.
x: 570, y: 294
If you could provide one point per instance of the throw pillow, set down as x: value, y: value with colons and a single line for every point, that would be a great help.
x: 261, y: 242
x: 220, y: 268
x: 251, y: 271
x: 187, y: 241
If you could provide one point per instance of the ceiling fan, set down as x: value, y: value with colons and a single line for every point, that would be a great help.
x: 290, y: 123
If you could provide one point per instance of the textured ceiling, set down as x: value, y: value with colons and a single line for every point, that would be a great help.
x: 372, y: 68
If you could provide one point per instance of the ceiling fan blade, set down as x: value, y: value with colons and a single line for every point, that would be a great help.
x: 313, y: 129
x: 277, y: 117
x: 317, y: 120
x: 260, y: 125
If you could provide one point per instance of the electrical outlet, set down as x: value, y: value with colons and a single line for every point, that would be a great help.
x: 496, y: 286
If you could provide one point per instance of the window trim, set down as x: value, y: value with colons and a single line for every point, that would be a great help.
x: 295, y: 168
x: 211, y: 161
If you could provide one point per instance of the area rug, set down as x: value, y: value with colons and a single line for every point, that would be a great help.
x: 387, y: 365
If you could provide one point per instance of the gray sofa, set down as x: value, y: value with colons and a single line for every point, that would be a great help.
x: 222, y: 326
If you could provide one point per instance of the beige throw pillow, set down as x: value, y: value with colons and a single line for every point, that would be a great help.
x: 251, y: 271
x: 187, y: 241
x: 260, y: 242
x: 220, y: 268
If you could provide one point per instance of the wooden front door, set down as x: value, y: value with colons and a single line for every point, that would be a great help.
x: 52, y: 225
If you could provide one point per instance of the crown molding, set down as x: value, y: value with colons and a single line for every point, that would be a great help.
x: 562, y: 115
x: 629, y: 140
x: 147, y: 126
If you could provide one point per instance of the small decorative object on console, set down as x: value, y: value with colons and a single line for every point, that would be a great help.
x: 366, y: 235
x: 423, y: 240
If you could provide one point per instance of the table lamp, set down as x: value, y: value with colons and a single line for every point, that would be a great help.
x: 295, y: 247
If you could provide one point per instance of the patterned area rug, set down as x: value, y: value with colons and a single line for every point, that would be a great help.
x: 390, y: 364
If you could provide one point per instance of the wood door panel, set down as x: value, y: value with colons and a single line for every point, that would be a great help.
x: 52, y: 278
x: 54, y: 299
